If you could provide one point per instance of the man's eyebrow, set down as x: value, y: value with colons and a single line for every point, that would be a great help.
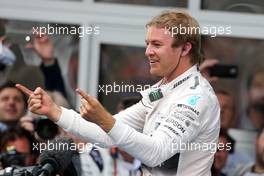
x: 156, y: 41
x: 153, y: 41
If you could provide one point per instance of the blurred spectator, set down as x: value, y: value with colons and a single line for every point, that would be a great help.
x: 73, y: 67
x: 227, y: 106
x: 7, y: 57
x: 256, y: 87
x: 256, y: 114
x: 21, y: 143
x: 225, y: 99
x: 244, y: 149
x: 13, y: 104
x: 21, y: 73
x: 125, y: 164
x: 221, y: 154
x: 251, y: 118
x: 205, y: 66
x: 14, y: 68
x: 257, y: 168
x: 44, y: 48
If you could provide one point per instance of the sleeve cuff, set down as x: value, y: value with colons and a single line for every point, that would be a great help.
x: 66, y: 118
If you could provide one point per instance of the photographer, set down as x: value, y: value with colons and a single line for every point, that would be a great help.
x: 16, y: 147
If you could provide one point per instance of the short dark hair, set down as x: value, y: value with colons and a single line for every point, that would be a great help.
x: 258, y: 106
x: 10, y: 84
x: 252, y: 76
x: 224, y: 133
x: 170, y: 19
x: 226, y: 93
x: 222, y: 92
x: 16, y: 132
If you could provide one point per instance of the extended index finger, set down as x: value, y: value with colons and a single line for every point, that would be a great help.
x: 83, y: 94
x: 24, y: 89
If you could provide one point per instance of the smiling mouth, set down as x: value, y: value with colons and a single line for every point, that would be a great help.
x: 153, y: 61
x: 11, y: 111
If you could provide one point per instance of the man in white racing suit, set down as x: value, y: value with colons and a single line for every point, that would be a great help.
x: 174, y: 129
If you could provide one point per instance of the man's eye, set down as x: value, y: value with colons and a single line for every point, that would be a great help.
x: 157, y: 44
x: 4, y: 98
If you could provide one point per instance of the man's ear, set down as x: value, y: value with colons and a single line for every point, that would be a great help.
x: 186, y: 49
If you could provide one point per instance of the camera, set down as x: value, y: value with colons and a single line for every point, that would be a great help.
x: 18, y: 171
x: 12, y: 158
x: 45, y: 128
x: 224, y: 71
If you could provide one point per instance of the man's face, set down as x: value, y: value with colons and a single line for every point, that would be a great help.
x: 227, y: 110
x: 221, y: 155
x: 256, y: 91
x: 162, y: 57
x: 256, y: 118
x: 12, y: 105
x: 22, y: 146
x: 260, y: 149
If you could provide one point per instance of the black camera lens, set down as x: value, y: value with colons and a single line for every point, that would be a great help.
x: 45, y: 128
x: 2, y: 66
x: 12, y: 158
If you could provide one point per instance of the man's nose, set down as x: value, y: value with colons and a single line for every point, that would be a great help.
x: 149, y: 52
x: 11, y: 102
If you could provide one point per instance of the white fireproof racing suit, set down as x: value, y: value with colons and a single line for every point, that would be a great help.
x: 173, y: 130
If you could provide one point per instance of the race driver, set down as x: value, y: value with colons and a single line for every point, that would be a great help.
x: 179, y: 110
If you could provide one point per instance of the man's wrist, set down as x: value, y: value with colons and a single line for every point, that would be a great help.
x: 108, y: 123
x: 55, y: 113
